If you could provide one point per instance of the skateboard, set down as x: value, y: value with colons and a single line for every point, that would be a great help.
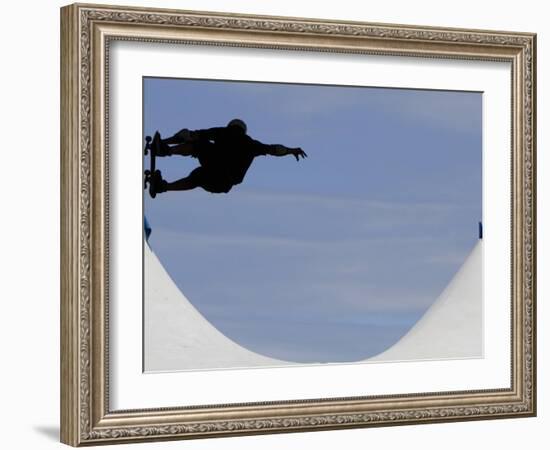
x: 152, y: 175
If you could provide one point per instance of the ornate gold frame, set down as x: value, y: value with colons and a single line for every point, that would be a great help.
x: 86, y: 31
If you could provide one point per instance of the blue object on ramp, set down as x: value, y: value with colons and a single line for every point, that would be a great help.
x: 147, y: 228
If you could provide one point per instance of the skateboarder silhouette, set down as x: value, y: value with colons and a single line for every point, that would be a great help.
x: 224, y: 154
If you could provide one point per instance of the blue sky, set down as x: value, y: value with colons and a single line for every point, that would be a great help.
x: 335, y: 257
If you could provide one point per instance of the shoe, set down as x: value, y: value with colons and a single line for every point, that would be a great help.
x: 157, y: 184
x: 161, y: 149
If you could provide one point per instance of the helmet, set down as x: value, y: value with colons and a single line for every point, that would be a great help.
x: 237, y: 123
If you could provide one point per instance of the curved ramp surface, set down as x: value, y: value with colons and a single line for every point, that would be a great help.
x: 452, y: 326
x: 178, y: 337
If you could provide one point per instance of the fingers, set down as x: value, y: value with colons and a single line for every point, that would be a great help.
x: 298, y: 152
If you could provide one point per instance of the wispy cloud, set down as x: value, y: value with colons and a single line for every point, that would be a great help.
x: 454, y: 110
x: 258, y: 208
x: 357, y: 276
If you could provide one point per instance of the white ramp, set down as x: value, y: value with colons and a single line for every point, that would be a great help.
x: 177, y: 336
x: 452, y: 327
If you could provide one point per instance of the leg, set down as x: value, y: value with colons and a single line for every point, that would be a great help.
x: 178, y: 144
x: 186, y: 149
x: 180, y: 137
x: 200, y: 149
x: 200, y: 177
x: 185, y: 184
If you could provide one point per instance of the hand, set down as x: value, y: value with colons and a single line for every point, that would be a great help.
x: 298, y: 152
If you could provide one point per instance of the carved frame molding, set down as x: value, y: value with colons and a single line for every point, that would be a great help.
x: 86, y: 31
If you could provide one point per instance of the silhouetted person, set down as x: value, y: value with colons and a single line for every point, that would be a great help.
x: 224, y: 154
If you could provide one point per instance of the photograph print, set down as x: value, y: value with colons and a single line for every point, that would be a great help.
x: 301, y: 224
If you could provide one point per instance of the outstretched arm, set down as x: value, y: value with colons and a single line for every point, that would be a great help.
x: 281, y: 150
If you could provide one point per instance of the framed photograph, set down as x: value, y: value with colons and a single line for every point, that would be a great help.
x: 276, y: 224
